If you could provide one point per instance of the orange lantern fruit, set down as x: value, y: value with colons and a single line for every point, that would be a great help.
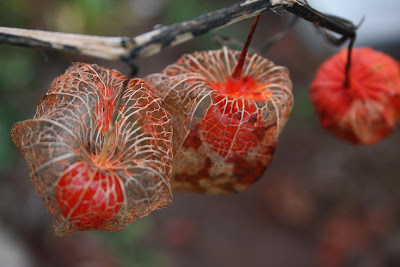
x: 92, y: 173
x: 228, y: 109
x: 364, y: 110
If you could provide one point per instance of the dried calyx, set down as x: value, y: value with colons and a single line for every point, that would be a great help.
x: 228, y: 109
x: 99, y: 149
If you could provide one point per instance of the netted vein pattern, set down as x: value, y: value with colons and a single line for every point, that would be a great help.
x: 225, y: 131
x: 62, y: 146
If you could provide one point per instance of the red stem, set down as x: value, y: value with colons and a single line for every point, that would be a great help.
x: 237, y: 73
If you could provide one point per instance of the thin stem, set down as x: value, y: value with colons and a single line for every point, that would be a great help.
x: 106, y: 145
x: 111, y: 126
x: 348, y: 65
x: 277, y: 37
x: 237, y: 73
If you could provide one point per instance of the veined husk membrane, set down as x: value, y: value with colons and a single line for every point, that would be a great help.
x: 225, y: 130
x: 62, y: 145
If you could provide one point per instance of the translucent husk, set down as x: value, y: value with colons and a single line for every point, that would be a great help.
x: 201, y: 165
x: 70, y: 127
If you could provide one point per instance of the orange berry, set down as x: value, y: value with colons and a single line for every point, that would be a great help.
x: 228, y: 126
x: 89, y: 197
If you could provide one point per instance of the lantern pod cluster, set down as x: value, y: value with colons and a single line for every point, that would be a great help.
x: 222, y: 137
x: 104, y: 151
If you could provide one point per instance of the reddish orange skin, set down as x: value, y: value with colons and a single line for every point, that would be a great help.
x: 368, y: 109
x: 226, y: 121
x: 89, y: 197
x: 244, y: 87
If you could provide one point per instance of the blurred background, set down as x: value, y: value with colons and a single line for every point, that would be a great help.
x: 322, y: 202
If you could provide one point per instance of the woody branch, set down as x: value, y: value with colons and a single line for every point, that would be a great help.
x: 150, y: 43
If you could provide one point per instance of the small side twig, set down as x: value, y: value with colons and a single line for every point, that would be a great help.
x: 277, y: 37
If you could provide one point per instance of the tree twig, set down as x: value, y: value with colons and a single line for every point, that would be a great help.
x: 150, y: 43
x: 277, y: 37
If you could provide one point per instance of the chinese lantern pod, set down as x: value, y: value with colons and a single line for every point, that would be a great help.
x: 83, y: 188
x: 368, y: 109
x: 225, y: 130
